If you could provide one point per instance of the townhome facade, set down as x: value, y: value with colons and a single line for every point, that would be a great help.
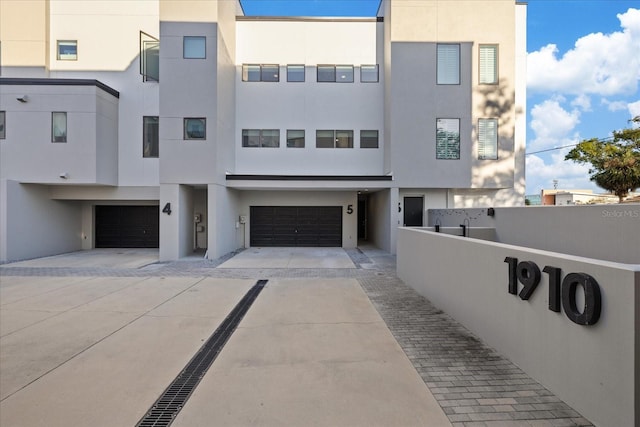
x: 188, y: 126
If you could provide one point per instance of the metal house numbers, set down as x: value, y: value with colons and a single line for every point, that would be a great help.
x: 562, y: 292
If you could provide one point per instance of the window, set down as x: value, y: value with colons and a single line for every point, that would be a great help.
x: 194, y: 47
x: 150, y: 136
x: 488, y: 64
x: 334, y: 139
x: 3, y: 118
x: 149, y: 57
x: 295, y: 73
x: 58, y: 127
x: 369, y: 73
x: 335, y: 73
x: 448, y: 58
x: 295, y: 138
x: 67, y: 50
x: 488, y: 139
x: 261, y: 138
x: 368, y: 139
x: 260, y: 73
x: 195, y: 128
x: 448, y: 139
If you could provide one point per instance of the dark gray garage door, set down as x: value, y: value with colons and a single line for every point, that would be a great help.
x: 296, y: 226
x: 127, y: 227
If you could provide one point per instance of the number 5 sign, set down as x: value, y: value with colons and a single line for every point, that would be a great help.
x: 560, y: 291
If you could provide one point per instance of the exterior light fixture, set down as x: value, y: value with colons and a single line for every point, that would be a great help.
x: 23, y: 98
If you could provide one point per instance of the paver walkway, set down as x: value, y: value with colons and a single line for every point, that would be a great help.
x: 473, y: 384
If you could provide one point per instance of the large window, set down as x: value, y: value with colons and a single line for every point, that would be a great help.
x: 149, y: 57
x: 67, y: 50
x: 195, y: 128
x: 448, y: 139
x: 448, y: 59
x: 295, y: 73
x: 488, y: 139
x: 150, y: 136
x: 261, y: 138
x: 3, y: 124
x: 334, y: 139
x: 58, y: 126
x: 335, y: 73
x: 368, y: 139
x: 488, y: 64
x: 295, y: 138
x: 260, y: 73
x: 194, y: 47
x: 369, y: 73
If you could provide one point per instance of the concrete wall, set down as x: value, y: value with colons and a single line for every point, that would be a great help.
x: 380, y: 219
x: 607, y: 232
x: 26, y: 217
x: 594, y: 369
x: 224, y: 211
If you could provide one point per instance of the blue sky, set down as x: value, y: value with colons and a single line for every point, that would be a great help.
x: 583, y: 74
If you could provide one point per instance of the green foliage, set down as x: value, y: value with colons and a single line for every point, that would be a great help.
x: 615, y: 163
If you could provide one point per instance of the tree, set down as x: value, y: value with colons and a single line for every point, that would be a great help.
x: 615, y: 162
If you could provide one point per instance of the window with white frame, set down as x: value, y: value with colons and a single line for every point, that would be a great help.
x: 448, y: 139
x: 149, y: 58
x: 334, y: 73
x: 488, y: 64
x: 3, y: 124
x: 268, y: 138
x: 488, y: 139
x: 195, y: 128
x: 295, y: 138
x: 260, y: 73
x: 67, y: 50
x: 334, y: 139
x: 448, y: 60
x: 194, y: 47
x: 295, y: 73
x: 368, y: 139
x: 369, y: 73
x: 58, y: 126
x: 150, y: 136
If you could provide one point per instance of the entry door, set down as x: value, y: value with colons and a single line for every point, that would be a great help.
x: 413, y: 207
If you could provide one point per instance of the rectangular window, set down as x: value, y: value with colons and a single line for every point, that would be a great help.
x: 260, y: 72
x: 195, y: 128
x: 150, y: 136
x: 369, y: 73
x: 488, y: 139
x: 3, y: 123
x: 149, y: 58
x: 448, y: 59
x: 448, y: 139
x: 269, y: 138
x: 488, y: 64
x: 295, y: 73
x: 58, y: 127
x: 250, y: 73
x: 334, y: 139
x: 194, y: 47
x: 344, y: 73
x: 67, y: 50
x: 326, y: 73
x: 368, y: 139
x: 295, y: 138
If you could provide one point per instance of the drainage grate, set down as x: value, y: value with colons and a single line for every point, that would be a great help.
x: 166, y: 408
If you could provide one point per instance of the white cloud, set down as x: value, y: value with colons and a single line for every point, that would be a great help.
x: 583, y: 102
x: 553, y: 125
x: 603, y: 64
x: 541, y: 170
x: 634, y: 109
x: 615, y: 105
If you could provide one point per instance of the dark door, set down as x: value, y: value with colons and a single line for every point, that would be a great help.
x: 296, y: 226
x: 413, y: 207
x: 127, y: 227
x: 362, y: 218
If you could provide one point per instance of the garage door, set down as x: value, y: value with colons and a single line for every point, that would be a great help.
x: 127, y: 227
x: 296, y: 226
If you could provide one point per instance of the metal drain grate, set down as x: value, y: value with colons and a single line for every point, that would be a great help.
x: 166, y: 408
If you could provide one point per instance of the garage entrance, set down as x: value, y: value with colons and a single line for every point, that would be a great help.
x: 319, y: 226
x: 127, y: 227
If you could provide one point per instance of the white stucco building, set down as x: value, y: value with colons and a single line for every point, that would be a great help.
x: 186, y: 125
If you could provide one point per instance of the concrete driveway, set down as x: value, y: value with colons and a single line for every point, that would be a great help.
x: 98, y: 351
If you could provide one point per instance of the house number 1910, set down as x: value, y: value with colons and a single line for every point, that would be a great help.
x: 561, y: 292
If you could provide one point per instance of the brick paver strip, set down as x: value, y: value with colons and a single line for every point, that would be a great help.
x: 474, y: 385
